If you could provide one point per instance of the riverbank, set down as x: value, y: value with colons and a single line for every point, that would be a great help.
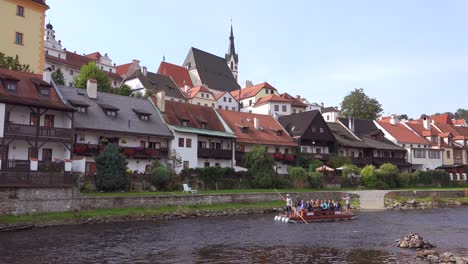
x: 411, y: 202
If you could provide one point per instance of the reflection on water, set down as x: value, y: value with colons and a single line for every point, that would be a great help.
x: 241, y: 239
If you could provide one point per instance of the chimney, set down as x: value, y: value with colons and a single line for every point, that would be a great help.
x: 322, y: 104
x: 248, y: 84
x: 256, y: 123
x: 426, y: 123
x: 144, y: 70
x: 47, y: 75
x: 298, y: 97
x: 186, y: 88
x: 91, y: 88
x: 394, y: 120
x: 351, y: 123
x: 161, y: 101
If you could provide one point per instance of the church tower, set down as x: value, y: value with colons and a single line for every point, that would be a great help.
x: 232, y: 58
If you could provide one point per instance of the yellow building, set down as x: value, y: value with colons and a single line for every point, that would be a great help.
x: 22, y: 27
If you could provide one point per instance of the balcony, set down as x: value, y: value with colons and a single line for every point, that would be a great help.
x: 143, y: 153
x: 36, y: 179
x: 86, y: 149
x: 214, y: 153
x: 27, y: 131
x: 289, y: 158
x: 278, y: 156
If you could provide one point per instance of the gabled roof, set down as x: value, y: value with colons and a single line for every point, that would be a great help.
x: 178, y: 73
x: 298, y: 125
x: 94, y: 56
x: 362, y: 127
x: 446, y: 128
x: 195, y: 115
x: 381, y: 145
x: 250, y: 91
x: 344, y: 137
x: 123, y: 68
x: 272, y: 98
x: 459, y: 122
x: 157, y: 83
x: 192, y: 92
x: 218, y: 95
x: 27, y: 92
x: 267, y: 135
x: 419, y: 128
x: 403, y: 134
x: 330, y: 109
x: 295, y: 101
x: 126, y: 121
x: 213, y: 70
x: 443, y: 118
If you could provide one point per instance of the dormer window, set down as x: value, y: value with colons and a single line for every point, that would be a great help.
x: 44, y: 91
x: 111, y: 113
x: 142, y: 115
x: 11, y: 86
x: 109, y: 110
x: 184, y: 123
x: 82, y: 109
x: 203, y: 125
x: 279, y: 133
x: 245, y: 130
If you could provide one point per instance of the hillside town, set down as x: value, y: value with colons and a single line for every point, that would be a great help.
x: 190, y: 114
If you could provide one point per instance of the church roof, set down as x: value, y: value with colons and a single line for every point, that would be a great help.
x: 213, y: 70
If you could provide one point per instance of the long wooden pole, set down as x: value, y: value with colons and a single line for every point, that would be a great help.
x: 294, y: 209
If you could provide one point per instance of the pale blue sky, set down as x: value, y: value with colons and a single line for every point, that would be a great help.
x: 410, y: 55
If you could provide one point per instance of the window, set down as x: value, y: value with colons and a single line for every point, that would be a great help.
x: 419, y: 153
x: 283, y: 108
x: 20, y: 11
x: 304, y: 150
x: 52, y: 67
x: 110, y: 70
x: 448, y: 154
x: 46, y: 154
x: 188, y: 143
x: 276, y: 107
x: 286, y: 151
x: 318, y: 150
x: 19, y: 38
x: 220, y: 107
x: 250, y: 102
x: 115, y: 83
x: 279, y: 133
x: 230, y: 100
x: 294, y: 111
x: 184, y: 123
x: 111, y: 113
x: 206, y: 104
x: 224, y: 99
x: 201, y: 144
x: 49, y: 121
x: 11, y: 86
x: 71, y: 72
x: 102, y: 68
x: 202, y: 94
x: 144, y: 117
x: 434, y: 154
x: 32, y: 153
x: 186, y: 164
x: 207, y: 164
x: 203, y: 125
x: 328, y: 118
x: 245, y: 130
x: 181, y: 142
x: 154, y: 145
x: 45, y: 91
x: 321, y: 130
x: 226, y: 107
x: 32, y: 119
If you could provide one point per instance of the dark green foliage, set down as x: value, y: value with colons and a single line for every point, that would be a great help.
x: 369, y: 177
x: 91, y: 71
x: 338, y: 161
x: 160, y: 177
x: 316, y: 179
x: 10, y: 63
x: 212, y: 177
x: 297, y: 176
x: 358, y: 105
x: 57, y: 76
x: 351, y: 169
x: 314, y: 164
x: 260, y: 166
x: 111, y: 168
x: 123, y: 89
x: 432, y: 178
x: 388, y: 174
x: 302, y: 160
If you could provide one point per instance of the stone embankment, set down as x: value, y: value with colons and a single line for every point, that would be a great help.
x: 404, y: 200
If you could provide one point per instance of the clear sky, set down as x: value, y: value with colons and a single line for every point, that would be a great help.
x: 410, y: 55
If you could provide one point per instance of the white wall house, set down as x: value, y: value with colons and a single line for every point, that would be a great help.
x: 226, y: 101
x: 330, y: 114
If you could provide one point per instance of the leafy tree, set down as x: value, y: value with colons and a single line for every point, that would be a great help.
x: 350, y: 169
x: 462, y: 113
x: 260, y: 166
x: 316, y: 179
x: 111, y: 168
x: 91, y: 71
x: 10, y: 63
x: 388, y: 173
x: 160, y: 177
x: 403, y: 117
x: 314, y: 164
x: 122, y: 90
x: 58, y: 78
x: 358, y: 105
x: 369, y: 177
x: 298, y: 177
x: 338, y: 161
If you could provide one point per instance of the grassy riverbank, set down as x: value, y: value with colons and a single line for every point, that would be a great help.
x: 461, y: 200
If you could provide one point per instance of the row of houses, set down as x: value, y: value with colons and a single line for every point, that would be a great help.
x: 45, y: 125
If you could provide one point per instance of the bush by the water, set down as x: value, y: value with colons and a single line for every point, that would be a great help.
x: 387, y: 175
x: 297, y: 177
x: 369, y: 177
x: 111, y: 170
x: 160, y: 177
x: 260, y: 166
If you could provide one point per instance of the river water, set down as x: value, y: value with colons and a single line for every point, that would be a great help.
x: 240, y: 239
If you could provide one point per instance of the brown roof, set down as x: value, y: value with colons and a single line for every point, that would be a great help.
x: 251, y: 91
x: 94, y: 56
x: 176, y: 112
x: 178, y: 73
x: 123, y: 68
x: 459, y: 122
x: 27, y: 92
x: 402, y: 133
x: 295, y: 101
x: 272, y: 98
x: 266, y: 136
x: 192, y: 92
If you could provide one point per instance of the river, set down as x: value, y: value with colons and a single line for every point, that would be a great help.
x: 240, y: 239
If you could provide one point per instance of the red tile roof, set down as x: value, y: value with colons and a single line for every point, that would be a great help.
x: 251, y: 91
x: 178, y: 73
x: 462, y: 131
x: 295, y: 101
x: 272, y: 98
x: 192, y: 92
x: 443, y: 118
x: 401, y: 133
x: 176, y: 112
x: 446, y: 128
x: 27, y: 92
x: 94, y: 56
x: 266, y: 136
x: 419, y: 128
x: 123, y: 68
x: 218, y: 95
x: 459, y: 122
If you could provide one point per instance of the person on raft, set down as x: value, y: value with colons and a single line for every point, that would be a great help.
x: 288, y: 205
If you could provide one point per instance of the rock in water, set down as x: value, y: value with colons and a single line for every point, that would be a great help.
x: 404, y: 244
x: 425, y: 253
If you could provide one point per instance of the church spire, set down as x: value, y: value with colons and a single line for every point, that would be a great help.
x: 232, y: 59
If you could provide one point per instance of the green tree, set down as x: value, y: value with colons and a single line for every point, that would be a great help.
x: 314, y: 164
x: 462, y: 113
x: 160, y: 177
x: 358, y: 105
x: 350, y: 169
x: 338, y: 161
x: 10, y: 63
x: 91, y: 71
x: 122, y: 90
x: 260, y: 166
x: 58, y: 78
x: 388, y: 173
x: 111, y: 168
x: 298, y: 176
x: 369, y: 177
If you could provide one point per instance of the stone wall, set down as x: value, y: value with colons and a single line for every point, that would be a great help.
x: 424, y: 194
x: 17, y: 201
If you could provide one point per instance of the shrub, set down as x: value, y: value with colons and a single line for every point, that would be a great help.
x: 405, y: 180
x: 388, y: 173
x: 260, y: 166
x: 369, y: 177
x: 297, y: 176
x: 160, y: 177
x: 314, y: 164
x: 111, y: 169
x: 316, y: 179
x: 338, y: 161
x: 350, y: 169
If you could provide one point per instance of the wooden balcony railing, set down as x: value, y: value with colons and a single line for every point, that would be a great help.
x: 85, y: 149
x: 215, y: 153
x: 36, y: 179
x: 12, y: 129
x: 143, y: 153
x: 16, y: 165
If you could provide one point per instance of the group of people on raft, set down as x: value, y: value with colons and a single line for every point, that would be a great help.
x: 324, y: 207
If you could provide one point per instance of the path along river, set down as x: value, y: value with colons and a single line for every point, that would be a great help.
x: 240, y: 239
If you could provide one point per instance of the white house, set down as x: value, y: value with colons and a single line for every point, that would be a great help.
x: 330, y: 114
x: 226, y: 101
